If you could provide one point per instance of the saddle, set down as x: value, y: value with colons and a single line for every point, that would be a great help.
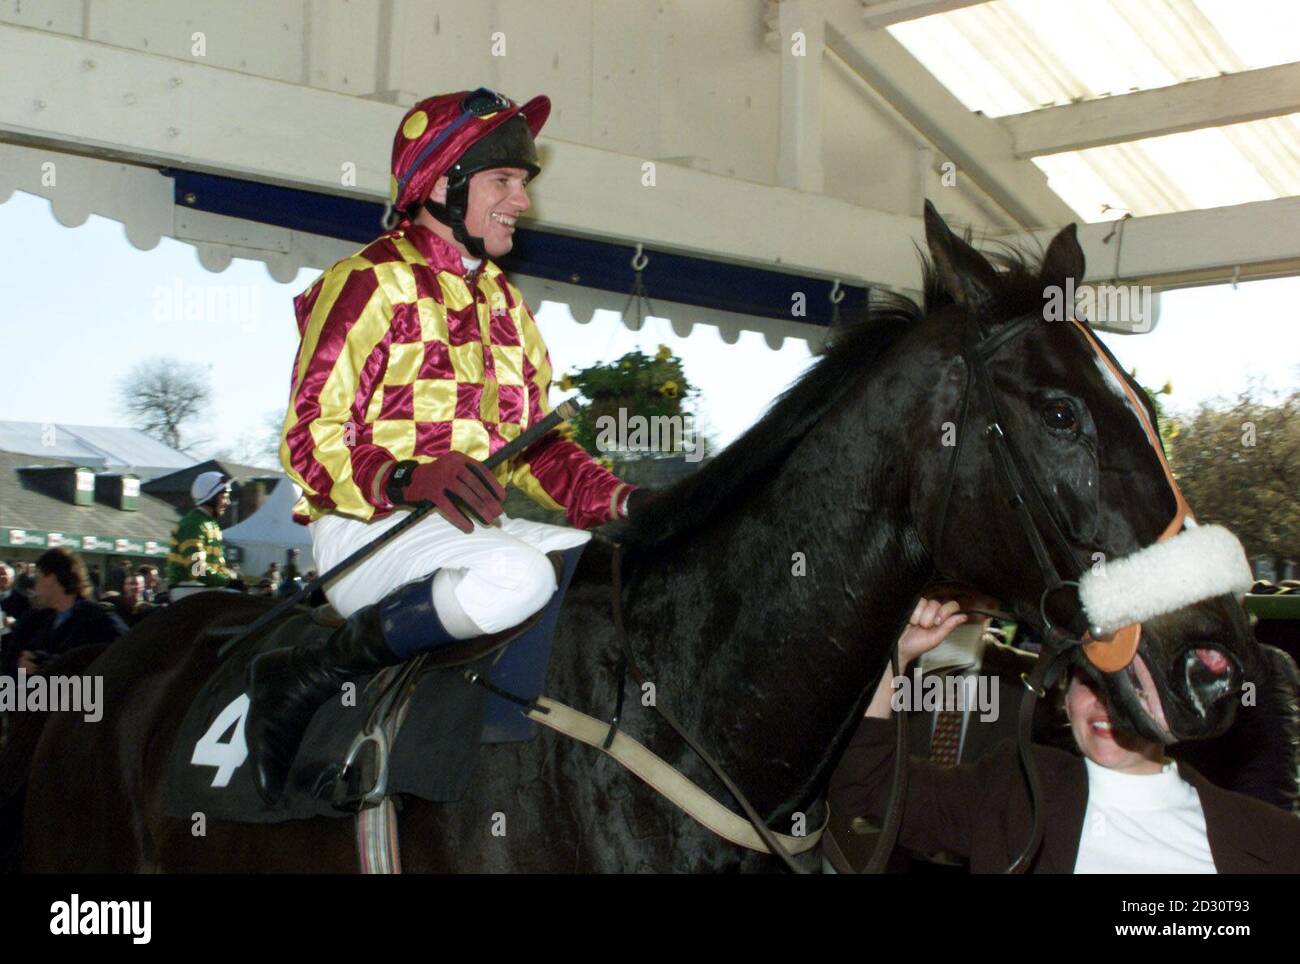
x: 410, y: 729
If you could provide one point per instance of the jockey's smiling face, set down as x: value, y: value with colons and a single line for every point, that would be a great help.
x: 496, y: 198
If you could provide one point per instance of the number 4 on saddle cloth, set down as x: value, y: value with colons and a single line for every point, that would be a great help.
x: 436, y: 749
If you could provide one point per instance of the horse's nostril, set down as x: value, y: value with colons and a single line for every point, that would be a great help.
x: 1210, y: 676
x: 1213, y: 660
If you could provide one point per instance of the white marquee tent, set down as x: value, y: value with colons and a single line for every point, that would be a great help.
x: 264, y: 536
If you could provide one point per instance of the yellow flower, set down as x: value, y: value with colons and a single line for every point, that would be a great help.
x: 668, y: 389
x: 1168, y: 388
x: 566, y: 384
x: 664, y: 353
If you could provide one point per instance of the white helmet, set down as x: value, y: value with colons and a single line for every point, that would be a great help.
x: 207, y: 486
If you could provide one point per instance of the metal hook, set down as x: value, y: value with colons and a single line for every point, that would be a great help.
x: 639, y: 260
x: 837, y: 293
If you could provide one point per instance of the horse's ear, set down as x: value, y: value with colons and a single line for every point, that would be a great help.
x: 964, y: 272
x: 1064, y: 257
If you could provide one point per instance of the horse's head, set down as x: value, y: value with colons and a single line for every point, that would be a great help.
x: 1102, y: 548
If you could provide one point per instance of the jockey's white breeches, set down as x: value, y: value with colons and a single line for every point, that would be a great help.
x: 488, y: 580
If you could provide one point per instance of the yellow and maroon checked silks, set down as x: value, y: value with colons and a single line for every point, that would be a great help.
x: 401, y: 359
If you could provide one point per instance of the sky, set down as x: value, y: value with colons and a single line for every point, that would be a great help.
x: 82, y: 306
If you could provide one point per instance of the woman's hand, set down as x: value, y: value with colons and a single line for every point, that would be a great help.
x: 928, y: 626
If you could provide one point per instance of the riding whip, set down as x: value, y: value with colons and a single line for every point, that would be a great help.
x: 563, y: 412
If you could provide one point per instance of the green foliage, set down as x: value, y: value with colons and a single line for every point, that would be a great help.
x: 640, y: 384
x: 1239, y: 465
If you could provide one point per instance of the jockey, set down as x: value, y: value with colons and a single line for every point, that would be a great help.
x: 418, y: 360
x: 197, y: 559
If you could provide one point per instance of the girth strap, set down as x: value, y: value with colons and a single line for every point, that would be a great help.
x: 665, y: 778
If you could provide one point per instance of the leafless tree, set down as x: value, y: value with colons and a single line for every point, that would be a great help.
x: 160, y: 395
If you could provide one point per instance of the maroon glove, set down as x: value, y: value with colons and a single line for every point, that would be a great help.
x: 452, y: 482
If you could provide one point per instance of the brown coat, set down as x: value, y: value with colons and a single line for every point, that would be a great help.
x: 981, y: 810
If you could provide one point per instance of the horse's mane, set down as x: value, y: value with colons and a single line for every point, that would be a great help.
x: 849, y: 353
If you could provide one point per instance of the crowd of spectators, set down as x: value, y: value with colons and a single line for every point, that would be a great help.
x: 56, y: 604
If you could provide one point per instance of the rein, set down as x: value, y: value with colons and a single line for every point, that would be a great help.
x: 629, y: 665
x: 1059, y: 647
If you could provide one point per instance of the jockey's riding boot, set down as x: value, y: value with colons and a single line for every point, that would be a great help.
x: 288, y: 685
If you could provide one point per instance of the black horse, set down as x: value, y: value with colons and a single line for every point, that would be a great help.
x: 761, y: 595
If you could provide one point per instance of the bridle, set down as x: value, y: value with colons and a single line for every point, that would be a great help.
x: 1024, y: 496
x: 1022, y: 492
x: 1068, y: 643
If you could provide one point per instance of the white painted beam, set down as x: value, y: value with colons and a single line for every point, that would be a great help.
x: 883, y: 13
x: 801, y: 42
x: 1212, y: 245
x: 1194, y: 104
x: 79, y: 97
x: 981, y: 149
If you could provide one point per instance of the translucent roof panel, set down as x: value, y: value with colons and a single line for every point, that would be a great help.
x: 1255, y: 161
x: 1009, y: 56
x: 1012, y: 56
x: 95, y: 446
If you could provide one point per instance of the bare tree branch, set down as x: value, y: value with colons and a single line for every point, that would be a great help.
x: 160, y: 395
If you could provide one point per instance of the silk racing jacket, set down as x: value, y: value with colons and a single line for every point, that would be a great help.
x: 406, y: 355
x: 198, y: 552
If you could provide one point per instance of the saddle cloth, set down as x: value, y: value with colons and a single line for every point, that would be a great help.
x: 434, y: 756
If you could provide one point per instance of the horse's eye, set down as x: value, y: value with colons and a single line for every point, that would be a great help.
x: 1060, y: 416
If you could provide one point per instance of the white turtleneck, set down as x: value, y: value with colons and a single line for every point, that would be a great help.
x: 1142, y: 824
x: 471, y: 264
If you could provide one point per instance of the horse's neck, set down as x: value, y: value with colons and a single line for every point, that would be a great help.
x: 763, y: 633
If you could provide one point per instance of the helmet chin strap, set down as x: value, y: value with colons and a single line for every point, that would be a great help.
x: 453, y: 213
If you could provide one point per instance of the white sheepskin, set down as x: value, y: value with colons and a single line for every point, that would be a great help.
x: 1196, y: 564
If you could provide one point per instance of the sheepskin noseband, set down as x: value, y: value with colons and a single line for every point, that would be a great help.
x: 1199, y: 563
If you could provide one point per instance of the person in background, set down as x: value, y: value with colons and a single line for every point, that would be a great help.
x: 25, y: 578
x: 63, y: 616
x: 153, y: 587
x: 197, y: 559
x: 130, y: 603
x: 117, y: 575
x: 14, y: 603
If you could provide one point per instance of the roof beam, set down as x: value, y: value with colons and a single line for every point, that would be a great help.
x: 79, y: 97
x: 981, y: 149
x: 1191, y: 105
x: 800, y: 43
x: 884, y: 13
x: 1209, y: 246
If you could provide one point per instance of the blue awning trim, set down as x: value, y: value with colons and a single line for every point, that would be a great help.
x: 541, y: 254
